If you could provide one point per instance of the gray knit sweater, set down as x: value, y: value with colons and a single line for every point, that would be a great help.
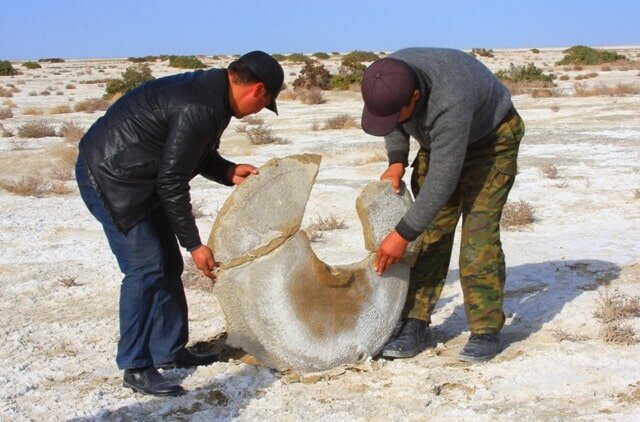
x: 461, y: 101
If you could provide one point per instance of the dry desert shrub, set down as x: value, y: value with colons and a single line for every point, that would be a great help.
x: 4, y: 92
x: 549, y: 171
x: 613, y: 310
x: 60, y: 109
x: 517, y: 214
x: 71, y: 131
x: 32, y: 111
x: 636, y: 194
x: 562, y: 335
x: 33, y: 185
x: 262, y: 135
x: 341, y: 121
x: 5, y: 113
x: 91, y: 105
x: 252, y: 120
x: 324, y: 224
x: 619, y: 90
x: 564, y: 77
x: 527, y: 87
x: 36, y: 129
x: 310, y: 96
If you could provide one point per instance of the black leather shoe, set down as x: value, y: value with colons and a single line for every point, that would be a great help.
x: 480, y: 348
x: 414, y: 336
x: 187, y: 359
x: 150, y: 381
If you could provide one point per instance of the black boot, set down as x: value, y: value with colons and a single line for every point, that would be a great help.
x: 414, y: 336
x: 150, y: 381
x: 480, y: 348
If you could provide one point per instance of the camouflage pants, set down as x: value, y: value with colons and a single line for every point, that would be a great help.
x: 487, y: 176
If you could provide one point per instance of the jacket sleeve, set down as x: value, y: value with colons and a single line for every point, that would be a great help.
x: 215, y: 167
x: 191, y: 129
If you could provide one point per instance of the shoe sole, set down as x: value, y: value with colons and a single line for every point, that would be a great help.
x: 476, y: 359
x: 143, y: 391
x: 398, y: 354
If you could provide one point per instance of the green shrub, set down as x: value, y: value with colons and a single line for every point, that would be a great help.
x: 321, y: 56
x: 523, y: 73
x: 6, y: 69
x: 144, y: 59
x: 279, y: 57
x: 581, y: 54
x: 132, y: 77
x: 31, y: 65
x: 360, y: 56
x: 186, y: 62
x: 535, y: 51
x: 483, y: 52
x: 313, y: 76
x: 350, y: 72
x: 299, y: 58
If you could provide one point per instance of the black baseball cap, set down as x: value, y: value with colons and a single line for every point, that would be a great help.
x: 268, y: 70
x: 387, y: 86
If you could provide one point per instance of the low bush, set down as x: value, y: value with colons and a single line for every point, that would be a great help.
x: 521, y: 73
x: 321, y: 56
x: 33, y: 185
x: 583, y: 55
x: 262, y: 135
x: 341, y: 121
x: 52, y: 60
x: 313, y: 76
x: 91, y: 105
x: 31, y: 65
x: 71, y: 131
x: 482, y: 52
x: 324, y: 224
x: 132, y: 77
x: 517, y: 214
x: 36, y: 129
x: 60, y: 109
x: 186, y: 62
x: 5, y: 113
x: 6, y: 69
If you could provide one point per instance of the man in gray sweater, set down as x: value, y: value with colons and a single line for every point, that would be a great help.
x: 469, y: 133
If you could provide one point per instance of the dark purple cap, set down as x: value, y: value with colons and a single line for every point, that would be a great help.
x: 268, y: 70
x: 387, y: 86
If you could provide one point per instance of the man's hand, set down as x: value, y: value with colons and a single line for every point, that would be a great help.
x: 203, y: 258
x: 394, y: 173
x: 390, y: 251
x: 240, y: 172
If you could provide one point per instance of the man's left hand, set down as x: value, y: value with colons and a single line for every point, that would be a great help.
x: 390, y: 251
x: 240, y: 172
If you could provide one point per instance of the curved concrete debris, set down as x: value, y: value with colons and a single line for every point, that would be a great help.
x: 283, y: 304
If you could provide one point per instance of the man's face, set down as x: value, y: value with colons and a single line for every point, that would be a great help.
x: 255, y: 100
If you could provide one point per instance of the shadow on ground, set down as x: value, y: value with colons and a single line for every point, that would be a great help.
x: 534, y: 294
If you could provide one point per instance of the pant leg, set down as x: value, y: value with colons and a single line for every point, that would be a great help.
x: 487, y: 177
x: 170, y: 330
x: 432, y: 264
x: 143, y: 295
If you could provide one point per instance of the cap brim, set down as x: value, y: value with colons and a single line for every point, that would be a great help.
x: 273, y: 107
x: 378, y: 125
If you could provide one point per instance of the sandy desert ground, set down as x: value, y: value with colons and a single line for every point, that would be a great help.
x: 579, y: 172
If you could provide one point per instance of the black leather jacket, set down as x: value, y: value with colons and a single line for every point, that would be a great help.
x: 149, y: 144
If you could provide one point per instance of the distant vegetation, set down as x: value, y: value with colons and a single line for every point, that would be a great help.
x: 6, y: 69
x: 583, y: 55
x: 52, y: 60
x: 148, y: 58
x: 31, y: 65
x: 522, y: 73
x: 186, y: 62
x: 483, y: 52
x: 131, y: 78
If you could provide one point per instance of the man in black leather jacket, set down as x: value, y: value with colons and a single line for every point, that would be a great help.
x: 133, y: 171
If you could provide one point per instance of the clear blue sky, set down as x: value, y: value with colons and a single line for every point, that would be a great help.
x: 33, y: 29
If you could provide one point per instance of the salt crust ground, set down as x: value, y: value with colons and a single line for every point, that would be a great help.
x: 57, y: 342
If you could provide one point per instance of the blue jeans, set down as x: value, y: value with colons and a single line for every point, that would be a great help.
x: 153, y: 307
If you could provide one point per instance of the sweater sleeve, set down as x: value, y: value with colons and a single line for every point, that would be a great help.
x: 397, y: 145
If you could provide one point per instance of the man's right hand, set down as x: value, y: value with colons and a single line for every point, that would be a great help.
x: 394, y: 173
x: 203, y: 258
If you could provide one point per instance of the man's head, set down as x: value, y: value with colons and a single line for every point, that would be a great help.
x: 389, y: 90
x: 262, y: 76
